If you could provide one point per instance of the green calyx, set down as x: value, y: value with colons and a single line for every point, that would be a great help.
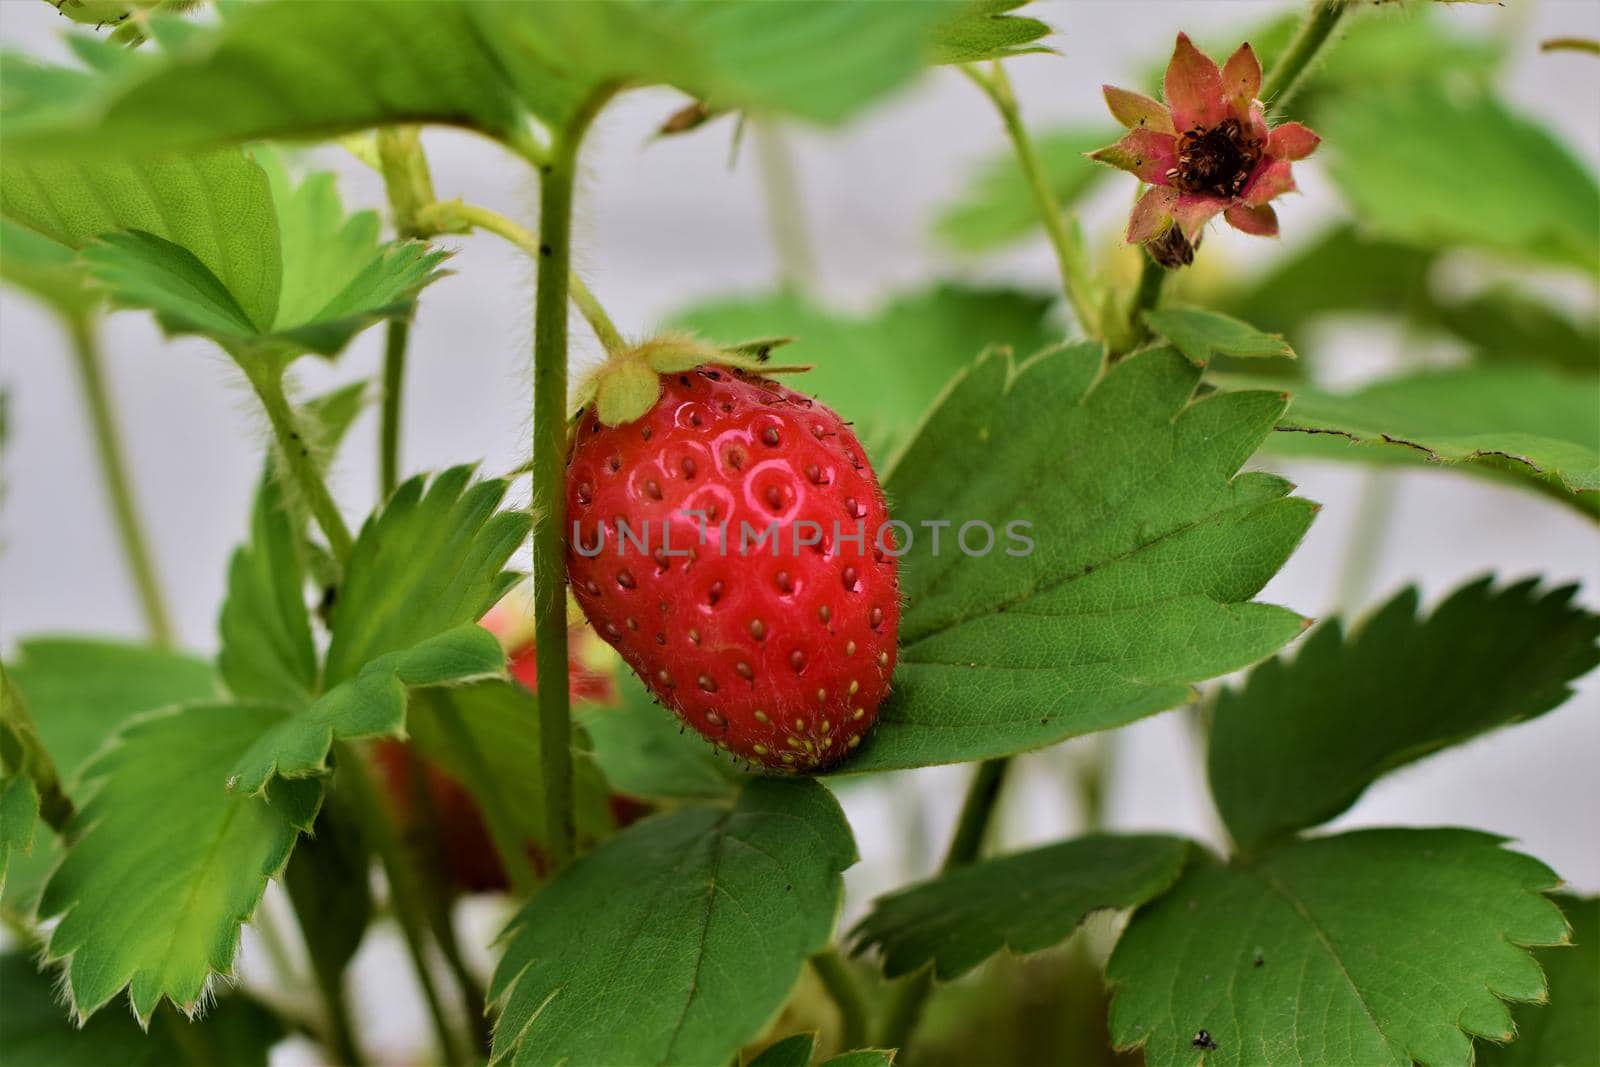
x: 628, y: 383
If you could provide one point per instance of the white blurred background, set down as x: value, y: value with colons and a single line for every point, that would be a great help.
x: 666, y: 223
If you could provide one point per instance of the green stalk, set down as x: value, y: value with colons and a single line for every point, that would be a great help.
x: 846, y: 995
x: 1066, y: 236
x: 394, y: 380
x: 905, y: 1009
x: 786, y: 217
x: 266, y: 376
x: 1152, y: 277
x: 1281, y: 82
x: 119, y: 490
x: 558, y: 176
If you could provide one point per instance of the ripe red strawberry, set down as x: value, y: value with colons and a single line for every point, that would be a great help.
x: 776, y: 648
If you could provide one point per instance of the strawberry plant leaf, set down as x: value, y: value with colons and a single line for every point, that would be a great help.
x: 1146, y: 547
x: 996, y: 207
x: 492, y: 752
x: 884, y: 369
x: 986, y: 30
x: 1200, y: 334
x: 166, y: 863
x: 1399, y: 159
x: 1286, y: 959
x: 19, y: 815
x: 329, y: 879
x: 645, y: 751
x: 710, y: 912
x: 1539, y: 425
x: 792, y: 1051
x: 239, y: 1031
x: 1303, y: 738
x: 1026, y: 901
x: 862, y: 1057
x: 1566, y: 1031
x: 422, y: 571
x: 45, y: 269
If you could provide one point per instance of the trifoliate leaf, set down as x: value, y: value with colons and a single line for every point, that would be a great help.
x: 996, y: 207
x: 1375, y: 947
x: 1026, y: 901
x: 1098, y: 553
x: 167, y: 863
x: 237, y: 1030
x: 675, y: 941
x: 986, y: 29
x: 645, y: 752
x: 1566, y: 1031
x: 422, y: 571
x: 1537, y: 424
x: 1200, y: 334
x: 1402, y: 160
x: 19, y: 815
x: 883, y: 370
x: 792, y: 1051
x: 1301, y: 740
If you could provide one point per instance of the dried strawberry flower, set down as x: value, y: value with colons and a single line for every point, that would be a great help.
x: 1206, y: 151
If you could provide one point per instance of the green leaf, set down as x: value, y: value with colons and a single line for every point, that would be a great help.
x: 1200, y: 334
x: 1535, y: 423
x: 883, y: 370
x: 792, y: 1051
x: 997, y: 208
x: 237, y: 1030
x: 644, y: 751
x: 1375, y: 947
x: 19, y: 814
x: 329, y: 879
x: 1146, y: 547
x: 986, y: 30
x: 267, y: 649
x: 677, y: 940
x: 862, y: 1057
x: 485, y: 735
x: 1302, y: 739
x: 1565, y: 1032
x: 45, y: 269
x: 1026, y: 901
x: 1432, y: 168
x: 167, y: 863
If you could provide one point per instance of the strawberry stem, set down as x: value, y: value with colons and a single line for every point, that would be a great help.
x: 294, y: 450
x: 840, y: 982
x: 394, y: 379
x: 1284, y: 78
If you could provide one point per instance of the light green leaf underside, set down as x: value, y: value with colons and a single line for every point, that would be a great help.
x: 238, y: 1031
x: 1400, y: 159
x: 495, y: 752
x: 1201, y: 334
x: 1375, y: 947
x: 1565, y: 1032
x: 1301, y: 740
x: 1541, y: 425
x: 1147, y: 546
x: 168, y: 862
x: 1026, y: 901
x: 19, y: 815
x: 45, y: 269
x: 882, y: 370
x: 985, y: 30
x: 645, y: 751
x: 996, y: 207
x: 675, y: 941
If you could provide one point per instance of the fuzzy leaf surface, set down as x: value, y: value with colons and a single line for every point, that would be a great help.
x: 883, y: 369
x: 1303, y: 738
x: 1147, y: 547
x: 645, y: 752
x: 1026, y: 901
x: 1201, y: 334
x: 987, y: 29
x: 675, y: 941
x: 238, y: 1030
x: 1290, y: 959
x: 168, y: 863
x: 1566, y: 1031
x: 45, y: 269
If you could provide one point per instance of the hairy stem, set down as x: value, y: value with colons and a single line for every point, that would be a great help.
x: 558, y: 176
x: 1066, y: 236
x: 404, y: 890
x: 114, y: 472
x: 455, y: 212
x: 905, y: 1009
x: 1281, y: 82
x: 266, y: 376
x: 846, y: 995
x: 1152, y: 277
x: 394, y: 380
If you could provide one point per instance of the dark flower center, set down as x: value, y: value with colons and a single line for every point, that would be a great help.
x: 1216, y: 161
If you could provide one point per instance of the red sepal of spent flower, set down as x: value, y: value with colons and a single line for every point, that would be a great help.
x: 1292, y: 141
x: 1137, y: 111
x: 1241, y: 81
x: 1271, y: 180
x: 1152, y: 215
x: 1193, y: 88
x: 1147, y: 154
x: 1260, y: 221
x: 1193, y: 211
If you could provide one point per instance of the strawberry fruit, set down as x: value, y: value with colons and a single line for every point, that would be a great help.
x: 731, y: 544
